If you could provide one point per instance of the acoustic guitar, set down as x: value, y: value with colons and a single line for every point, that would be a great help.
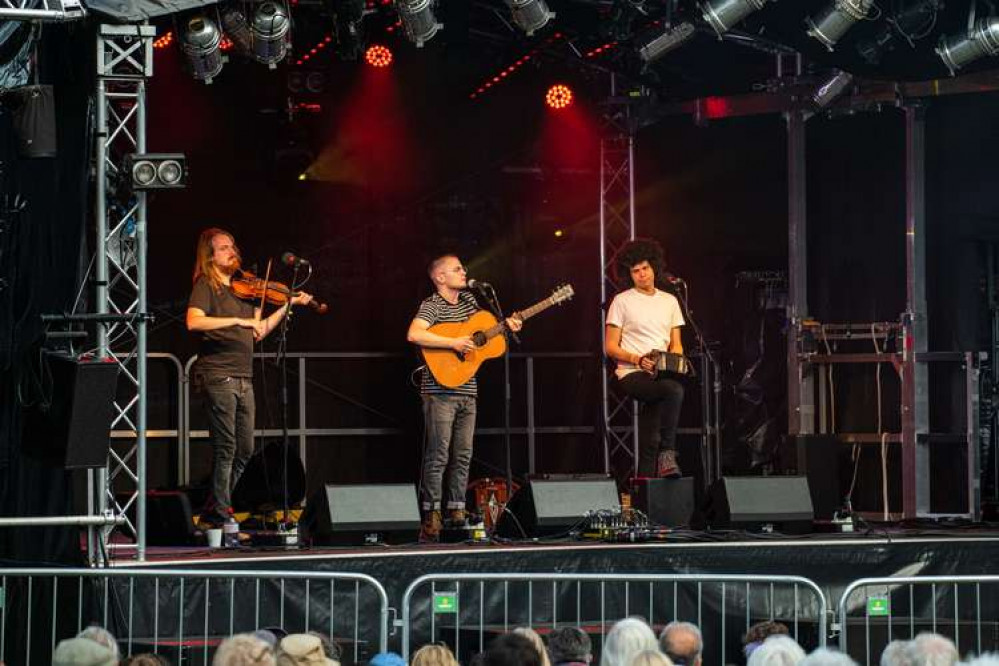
x: 453, y: 369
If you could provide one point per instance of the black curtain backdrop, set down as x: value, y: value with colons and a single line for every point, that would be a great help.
x: 42, y: 250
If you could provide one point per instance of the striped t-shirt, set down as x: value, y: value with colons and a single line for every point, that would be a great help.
x: 436, y: 310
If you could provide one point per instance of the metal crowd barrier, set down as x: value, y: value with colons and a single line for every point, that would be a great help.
x: 963, y: 608
x: 466, y: 610
x: 184, y: 614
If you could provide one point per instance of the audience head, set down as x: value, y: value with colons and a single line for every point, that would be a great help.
x: 759, y: 632
x: 682, y: 643
x: 650, y: 658
x: 83, y: 652
x: 102, y: 636
x: 434, y: 654
x: 331, y: 648
x: 626, y: 639
x: 896, y: 654
x: 244, y: 650
x: 777, y: 650
x: 827, y: 657
x: 303, y: 650
x: 386, y: 659
x: 511, y: 650
x: 928, y: 649
x: 535, y: 639
x: 985, y: 659
x: 146, y: 659
x: 567, y: 644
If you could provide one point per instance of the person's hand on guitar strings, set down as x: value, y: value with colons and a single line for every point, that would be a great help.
x: 514, y: 323
x: 463, y: 344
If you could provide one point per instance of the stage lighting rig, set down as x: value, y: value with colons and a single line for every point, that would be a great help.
x: 201, y: 44
x: 269, y: 28
x: 832, y: 88
x: 837, y: 18
x: 156, y: 171
x: 530, y: 15
x: 418, y: 20
x: 981, y: 40
x: 668, y: 40
x: 721, y: 15
x: 912, y: 22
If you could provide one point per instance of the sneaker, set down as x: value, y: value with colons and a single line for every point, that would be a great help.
x: 431, y: 528
x: 457, y: 518
x: 667, y: 467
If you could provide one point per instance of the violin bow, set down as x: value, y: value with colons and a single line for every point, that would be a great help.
x: 263, y: 292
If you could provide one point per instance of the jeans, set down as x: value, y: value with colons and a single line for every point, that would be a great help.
x: 659, y: 402
x: 450, y: 421
x: 230, y: 408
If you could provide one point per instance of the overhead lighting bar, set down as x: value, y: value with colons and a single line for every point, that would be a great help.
x: 980, y: 41
x: 722, y: 15
x: 530, y: 15
x: 418, y: 20
x: 837, y: 18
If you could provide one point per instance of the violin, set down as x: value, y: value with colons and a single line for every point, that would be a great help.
x: 249, y: 287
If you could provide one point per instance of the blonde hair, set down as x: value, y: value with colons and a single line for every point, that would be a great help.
x: 434, y: 654
x: 203, y: 264
x: 244, y: 650
x: 536, y: 641
x: 650, y: 658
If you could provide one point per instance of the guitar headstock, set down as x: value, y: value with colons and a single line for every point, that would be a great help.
x: 562, y: 293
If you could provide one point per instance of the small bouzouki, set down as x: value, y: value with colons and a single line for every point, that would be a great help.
x: 452, y: 369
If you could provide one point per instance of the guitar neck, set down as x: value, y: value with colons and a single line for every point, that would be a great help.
x: 522, y: 315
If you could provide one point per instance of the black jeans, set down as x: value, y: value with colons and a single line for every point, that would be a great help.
x: 230, y: 408
x: 659, y: 402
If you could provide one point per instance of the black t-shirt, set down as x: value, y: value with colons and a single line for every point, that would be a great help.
x: 224, y: 351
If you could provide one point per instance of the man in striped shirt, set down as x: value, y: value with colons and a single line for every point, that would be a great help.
x: 449, y: 413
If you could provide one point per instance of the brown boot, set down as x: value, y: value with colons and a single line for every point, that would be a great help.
x: 457, y: 517
x: 431, y: 528
x: 667, y: 467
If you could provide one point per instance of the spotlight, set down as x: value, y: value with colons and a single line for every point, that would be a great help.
x: 830, y: 26
x: 237, y: 29
x: 530, y: 15
x: 558, y: 96
x: 157, y: 171
x: 833, y: 87
x: 378, y: 56
x: 418, y: 20
x: 723, y: 14
x: 672, y: 38
x: 269, y: 29
x: 980, y: 41
x: 202, y: 46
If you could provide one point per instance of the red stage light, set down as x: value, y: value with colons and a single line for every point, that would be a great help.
x: 559, y: 96
x: 163, y: 41
x: 378, y: 56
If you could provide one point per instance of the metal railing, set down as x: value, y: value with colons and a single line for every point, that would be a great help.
x: 186, y: 613
x: 468, y: 609
x: 963, y: 608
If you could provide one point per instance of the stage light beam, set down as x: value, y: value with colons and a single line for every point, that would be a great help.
x: 559, y: 96
x: 721, y: 15
x: 838, y: 17
x: 378, y: 56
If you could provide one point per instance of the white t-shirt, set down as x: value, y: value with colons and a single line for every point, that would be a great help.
x: 645, y: 321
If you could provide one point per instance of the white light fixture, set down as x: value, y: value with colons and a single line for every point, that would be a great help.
x: 980, y: 41
x: 201, y: 44
x: 838, y: 17
x: 832, y: 88
x: 721, y: 15
x: 672, y: 38
x: 418, y: 20
x: 269, y: 29
x: 530, y: 15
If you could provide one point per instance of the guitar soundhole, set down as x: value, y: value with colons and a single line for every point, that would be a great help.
x: 479, y: 338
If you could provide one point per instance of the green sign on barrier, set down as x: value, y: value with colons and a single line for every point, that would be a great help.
x: 445, y: 602
x: 878, y: 607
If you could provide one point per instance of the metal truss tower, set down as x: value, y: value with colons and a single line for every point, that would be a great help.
x: 617, y: 227
x: 124, y: 63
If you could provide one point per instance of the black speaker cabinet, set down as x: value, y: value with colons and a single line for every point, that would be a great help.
x: 823, y: 459
x: 751, y: 502
x: 356, y: 514
x: 72, y: 427
x: 667, y: 502
x: 261, y: 486
x: 554, y: 505
x: 169, y: 518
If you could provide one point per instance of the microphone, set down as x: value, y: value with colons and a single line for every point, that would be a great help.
x: 293, y: 260
x: 478, y: 284
x: 669, y: 278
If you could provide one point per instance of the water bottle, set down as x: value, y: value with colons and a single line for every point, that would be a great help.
x: 230, y: 532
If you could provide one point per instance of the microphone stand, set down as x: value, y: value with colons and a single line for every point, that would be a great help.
x: 283, y: 361
x: 711, y: 463
x: 507, y: 396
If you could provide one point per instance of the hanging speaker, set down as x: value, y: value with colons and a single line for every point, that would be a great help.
x: 71, y: 426
x: 556, y: 504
